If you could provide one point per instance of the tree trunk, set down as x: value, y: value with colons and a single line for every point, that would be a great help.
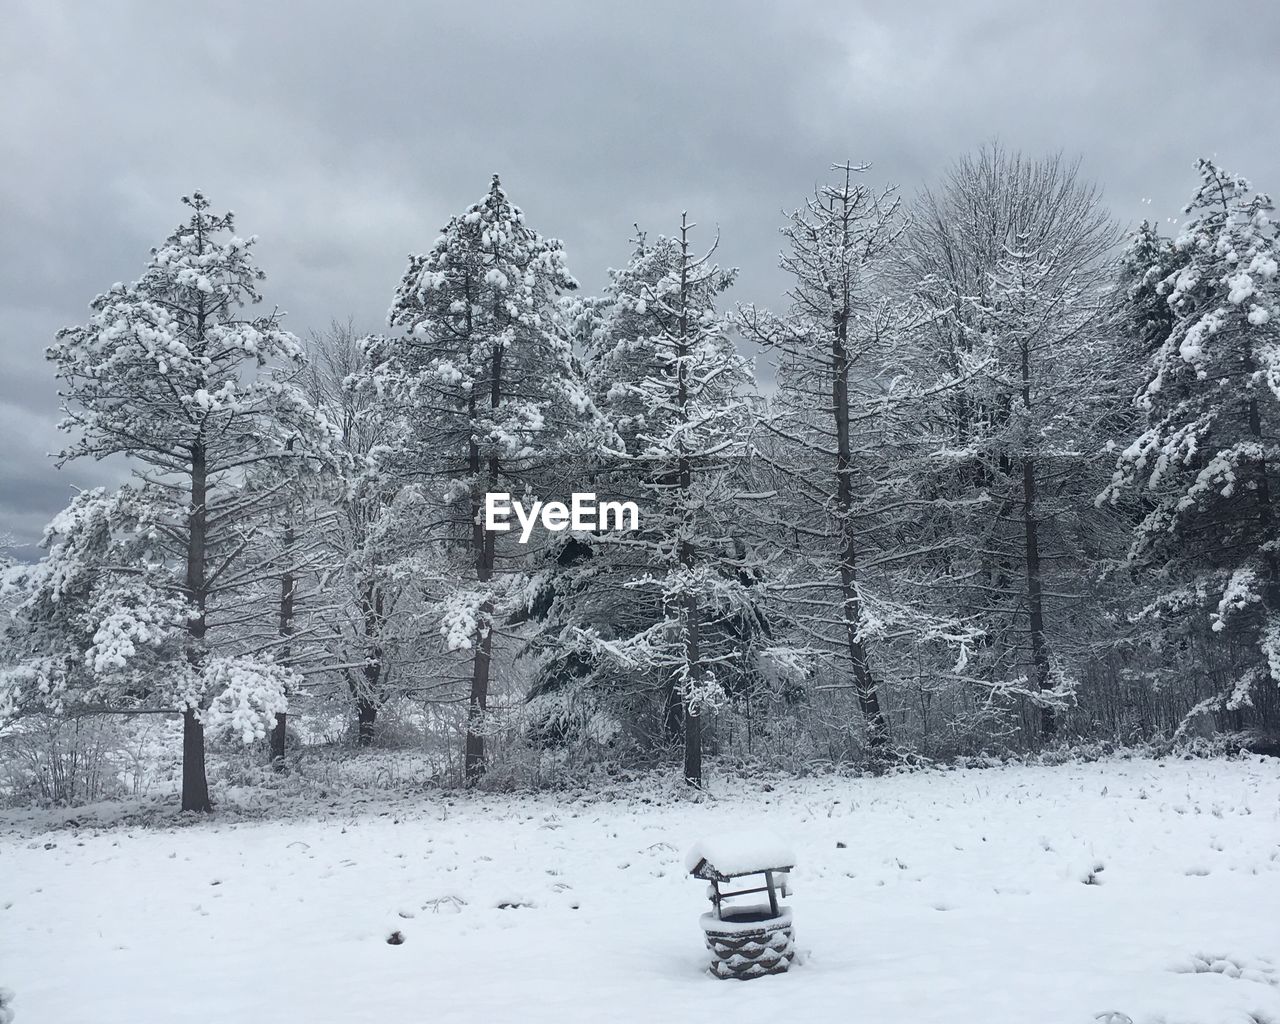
x: 1035, y: 598
x: 195, y: 784
x: 692, y: 713
x: 672, y: 712
x: 479, y: 701
x: 851, y: 601
x: 279, y: 733
x: 483, y: 541
x: 366, y: 720
x: 692, y: 613
x: 366, y: 688
x: 1035, y: 594
x: 277, y: 738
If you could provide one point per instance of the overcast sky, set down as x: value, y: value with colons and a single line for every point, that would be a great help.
x: 344, y: 135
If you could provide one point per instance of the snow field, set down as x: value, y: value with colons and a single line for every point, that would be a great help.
x: 1149, y: 889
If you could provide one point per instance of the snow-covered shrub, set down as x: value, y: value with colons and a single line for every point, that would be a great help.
x: 52, y: 760
x: 567, y: 716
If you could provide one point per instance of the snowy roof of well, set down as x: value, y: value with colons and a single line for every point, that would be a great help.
x: 738, y: 853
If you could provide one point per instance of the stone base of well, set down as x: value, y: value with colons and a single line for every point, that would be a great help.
x: 750, y: 942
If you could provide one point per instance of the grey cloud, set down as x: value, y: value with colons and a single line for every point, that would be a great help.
x: 344, y: 135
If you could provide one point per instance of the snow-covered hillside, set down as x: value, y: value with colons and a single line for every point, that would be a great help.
x: 1019, y: 895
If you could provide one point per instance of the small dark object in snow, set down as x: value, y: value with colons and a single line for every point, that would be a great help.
x: 841, y: 846
x: 513, y: 905
x: 395, y: 939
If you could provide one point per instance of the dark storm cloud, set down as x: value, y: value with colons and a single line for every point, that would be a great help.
x: 344, y: 135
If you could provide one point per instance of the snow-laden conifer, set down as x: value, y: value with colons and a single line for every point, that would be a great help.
x: 172, y: 372
x: 683, y: 591
x: 480, y: 384
x: 1203, y: 463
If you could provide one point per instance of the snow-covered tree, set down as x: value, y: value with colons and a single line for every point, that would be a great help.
x: 1147, y: 261
x: 367, y: 621
x: 579, y: 695
x: 78, y: 621
x: 1012, y: 257
x: 481, y: 388
x: 99, y: 626
x: 1203, y: 463
x: 279, y: 614
x: 170, y: 372
x: 827, y: 444
x: 682, y: 401
x: 843, y: 451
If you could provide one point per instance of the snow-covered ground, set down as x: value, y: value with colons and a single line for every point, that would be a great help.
x: 1020, y: 895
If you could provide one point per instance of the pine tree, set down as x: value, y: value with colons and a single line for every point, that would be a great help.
x: 482, y: 385
x: 682, y: 401
x: 1147, y: 261
x: 169, y: 372
x: 580, y: 698
x: 843, y: 450
x: 1204, y: 460
x: 835, y: 245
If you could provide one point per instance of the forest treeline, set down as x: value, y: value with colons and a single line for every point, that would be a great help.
x: 996, y: 476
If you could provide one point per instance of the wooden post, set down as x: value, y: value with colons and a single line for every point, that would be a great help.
x: 773, y: 896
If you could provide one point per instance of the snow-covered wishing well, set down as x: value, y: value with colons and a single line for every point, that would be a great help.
x: 746, y: 940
